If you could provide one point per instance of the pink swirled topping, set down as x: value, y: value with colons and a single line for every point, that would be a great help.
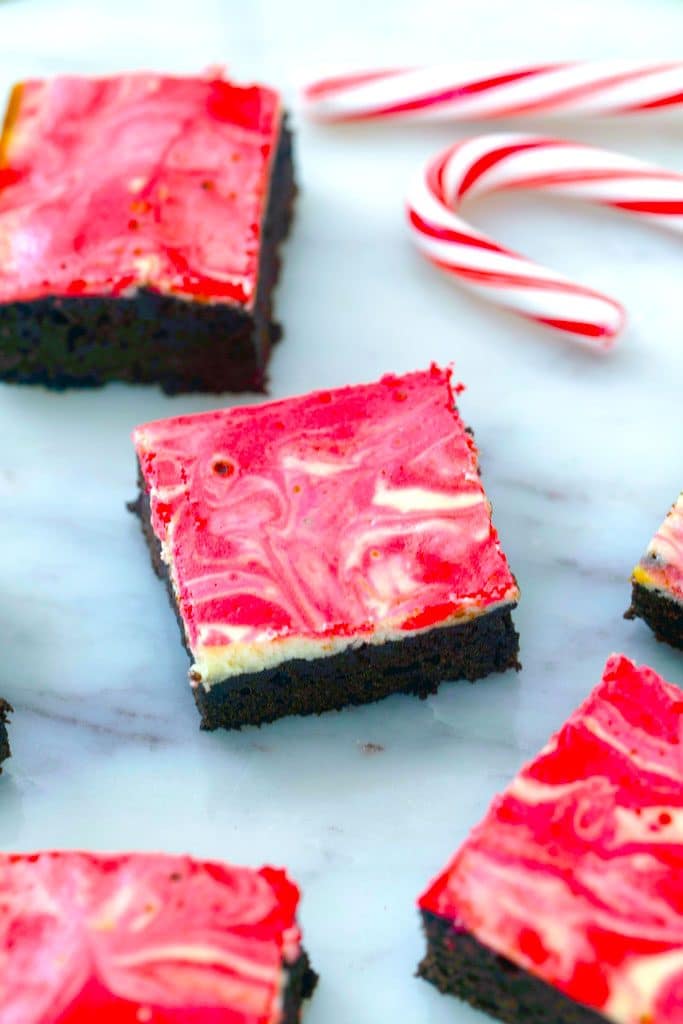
x: 296, y: 528
x: 661, y: 568
x: 142, y: 939
x: 134, y: 181
x: 576, y: 873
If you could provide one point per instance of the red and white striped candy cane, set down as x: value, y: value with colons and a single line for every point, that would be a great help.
x: 493, y: 163
x: 468, y: 92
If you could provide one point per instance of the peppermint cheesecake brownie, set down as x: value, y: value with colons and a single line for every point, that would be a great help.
x: 140, y: 219
x: 326, y: 550
x: 142, y: 938
x: 657, y: 594
x: 564, y: 906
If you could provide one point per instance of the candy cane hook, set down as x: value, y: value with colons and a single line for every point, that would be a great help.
x: 494, y: 163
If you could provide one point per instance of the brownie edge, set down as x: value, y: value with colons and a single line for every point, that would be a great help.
x: 663, y: 615
x: 458, y: 964
x: 301, y: 982
x: 360, y: 675
x: 5, y: 710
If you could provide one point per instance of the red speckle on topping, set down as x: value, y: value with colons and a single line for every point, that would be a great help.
x: 199, y: 521
x: 589, y: 985
x: 9, y: 176
x: 164, y: 511
x: 76, y: 287
x: 428, y: 616
x: 434, y: 568
x: 531, y: 946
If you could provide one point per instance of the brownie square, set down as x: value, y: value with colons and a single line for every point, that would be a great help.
x: 145, y: 937
x: 326, y: 550
x: 140, y: 218
x: 565, y: 904
x: 657, y: 581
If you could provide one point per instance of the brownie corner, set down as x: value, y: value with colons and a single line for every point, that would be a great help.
x: 301, y: 983
x: 456, y: 963
x: 663, y: 614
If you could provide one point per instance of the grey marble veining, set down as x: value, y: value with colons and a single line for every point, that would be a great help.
x: 581, y: 456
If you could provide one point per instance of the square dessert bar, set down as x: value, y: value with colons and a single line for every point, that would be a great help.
x: 565, y: 905
x: 657, y: 594
x: 140, y: 219
x: 326, y: 550
x: 135, y: 938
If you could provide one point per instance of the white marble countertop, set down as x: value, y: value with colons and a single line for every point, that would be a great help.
x: 581, y: 457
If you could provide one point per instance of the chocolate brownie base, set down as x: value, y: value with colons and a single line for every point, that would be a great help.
x: 460, y: 965
x: 150, y: 338
x: 416, y: 664
x: 663, y: 615
x: 301, y: 983
x: 5, y: 711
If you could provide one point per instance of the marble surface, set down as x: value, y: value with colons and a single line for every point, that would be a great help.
x: 580, y: 453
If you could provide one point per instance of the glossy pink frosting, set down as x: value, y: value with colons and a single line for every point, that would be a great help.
x: 335, y: 514
x: 142, y: 939
x: 576, y: 873
x: 137, y: 180
x: 662, y: 565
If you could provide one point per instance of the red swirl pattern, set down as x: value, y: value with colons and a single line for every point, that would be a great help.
x: 334, y: 515
x: 142, y: 939
x: 661, y: 568
x: 141, y: 180
x: 576, y: 873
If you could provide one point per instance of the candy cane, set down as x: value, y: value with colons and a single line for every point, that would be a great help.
x: 477, y: 92
x: 493, y: 163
